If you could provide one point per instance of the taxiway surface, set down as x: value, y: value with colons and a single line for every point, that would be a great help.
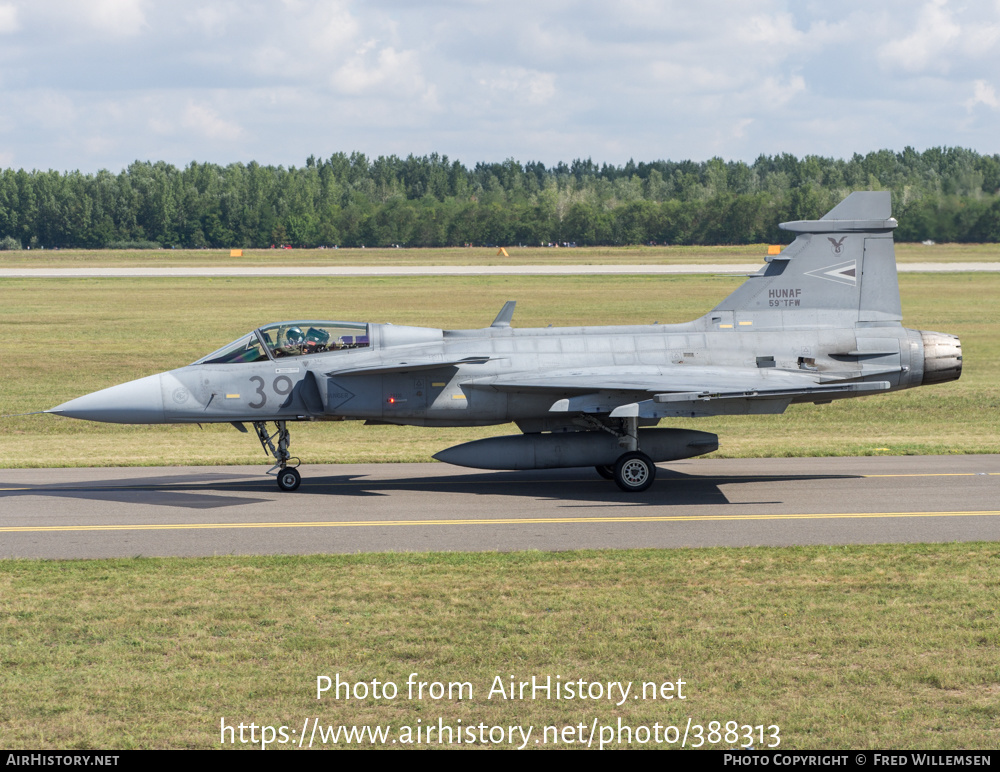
x: 195, y: 511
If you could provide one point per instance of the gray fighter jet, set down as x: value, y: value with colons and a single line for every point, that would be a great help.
x: 820, y: 321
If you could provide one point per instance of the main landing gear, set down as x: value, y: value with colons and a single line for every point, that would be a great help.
x: 288, y: 476
x: 634, y: 471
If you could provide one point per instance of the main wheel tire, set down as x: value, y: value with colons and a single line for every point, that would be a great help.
x: 289, y: 479
x: 607, y: 471
x: 634, y: 472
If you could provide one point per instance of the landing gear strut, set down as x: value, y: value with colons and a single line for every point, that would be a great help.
x: 634, y: 471
x: 288, y: 476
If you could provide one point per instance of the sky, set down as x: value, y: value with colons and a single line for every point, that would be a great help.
x: 97, y: 84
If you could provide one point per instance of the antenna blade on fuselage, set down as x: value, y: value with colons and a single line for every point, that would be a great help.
x: 505, y: 315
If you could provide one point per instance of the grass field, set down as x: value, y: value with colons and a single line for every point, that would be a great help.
x: 637, y: 255
x: 872, y: 647
x: 64, y: 338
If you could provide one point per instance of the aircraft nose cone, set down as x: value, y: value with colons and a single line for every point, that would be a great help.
x: 135, y: 402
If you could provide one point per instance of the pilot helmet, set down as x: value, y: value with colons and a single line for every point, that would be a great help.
x: 294, y: 336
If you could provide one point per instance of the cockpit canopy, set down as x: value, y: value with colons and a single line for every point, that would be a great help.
x: 291, y: 339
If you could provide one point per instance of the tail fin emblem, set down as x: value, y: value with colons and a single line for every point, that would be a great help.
x: 837, y: 245
x: 844, y: 273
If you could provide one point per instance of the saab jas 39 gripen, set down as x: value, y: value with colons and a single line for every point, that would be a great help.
x: 820, y: 321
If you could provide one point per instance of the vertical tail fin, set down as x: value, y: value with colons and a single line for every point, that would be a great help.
x: 840, y: 269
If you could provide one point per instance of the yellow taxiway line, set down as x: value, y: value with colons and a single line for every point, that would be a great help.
x: 490, y: 521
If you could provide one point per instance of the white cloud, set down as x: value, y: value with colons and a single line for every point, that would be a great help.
x: 8, y: 19
x: 278, y: 80
x: 740, y: 128
x: 120, y: 18
x: 304, y: 44
x: 771, y: 31
x: 528, y: 86
x: 385, y: 71
x: 203, y: 120
x: 210, y: 20
x: 50, y: 110
x: 982, y: 39
x: 929, y: 45
x: 983, y: 93
x: 693, y: 77
x: 331, y: 29
x: 773, y: 92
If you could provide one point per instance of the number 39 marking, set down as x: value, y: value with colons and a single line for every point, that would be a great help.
x: 282, y: 385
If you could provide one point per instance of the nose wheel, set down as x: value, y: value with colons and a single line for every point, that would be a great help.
x: 289, y: 478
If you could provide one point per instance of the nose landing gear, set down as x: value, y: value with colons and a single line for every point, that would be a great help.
x: 288, y: 476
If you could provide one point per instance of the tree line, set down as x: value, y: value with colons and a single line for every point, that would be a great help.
x: 943, y: 194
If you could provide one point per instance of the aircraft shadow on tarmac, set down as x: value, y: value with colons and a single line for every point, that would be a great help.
x: 575, y: 487
x: 196, y: 491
